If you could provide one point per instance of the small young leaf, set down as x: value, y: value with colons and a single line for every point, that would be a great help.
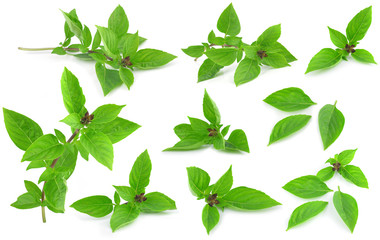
x: 325, y: 58
x: 45, y: 147
x: 305, y: 212
x: 224, y: 184
x: 199, y: 126
x: 116, y: 198
x: 326, y: 173
x: 288, y: 126
x: 222, y: 56
x: 151, y: 58
x: 289, y: 99
x: 362, y: 55
x: 97, y: 40
x: 194, y: 51
x: 199, y: 180
x: 140, y: 173
x: 210, y: 217
x: 59, y: 51
x: 33, y: 189
x: 99, y: 146
x: 61, y: 137
x: 95, y: 206
x: 225, y: 130
x: 244, y: 198
x: 22, y: 130
x: 106, y: 113
x: 210, y: 110
x: 123, y: 215
x: 247, y: 70
x: 87, y: 38
x: 208, y: 70
x: 307, y: 187
x: 72, y: 93
x: 74, y: 24
x: 26, y: 201
x: 346, y: 156
x: 118, y: 22
x: 239, y: 140
x: 355, y: 175
x: 109, y: 79
x: 157, y: 202
x: 269, y: 36
x: 73, y: 120
x: 347, y: 208
x: 359, y: 25
x: 228, y: 22
x: 338, y: 38
x: 126, y: 193
x: 331, y: 123
x: 131, y: 45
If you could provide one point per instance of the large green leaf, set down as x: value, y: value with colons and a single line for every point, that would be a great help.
x: 118, y: 129
x: 118, y: 22
x: 208, y: 70
x: 269, y: 36
x: 288, y: 126
x: 140, y: 173
x: 305, y: 212
x: 72, y: 93
x: 247, y: 70
x: 347, y: 208
x: 228, y: 22
x: 157, y: 202
x: 289, y: 99
x: 109, y: 79
x: 123, y: 215
x: 331, y: 122
x: 99, y: 146
x: 338, y: 38
x: 355, y: 175
x: 325, y: 58
x: 222, y: 56
x: 45, y: 147
x: 359, y: 25
x: 151, y: 58
x: 199, y: 181
x: 110, y: 41
x: 238, y: 140
x: 224, y: 184
x: 307, y: 187
x: 106, y: 113
x: 55, y: 193
x: 210, y: 110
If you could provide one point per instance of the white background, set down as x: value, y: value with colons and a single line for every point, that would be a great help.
x: 162, y: 98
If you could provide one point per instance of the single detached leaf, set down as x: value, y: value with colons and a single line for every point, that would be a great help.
x: 247, y: 70
x: 269, y: 36
x: 305, y: 212
x: 245, y: 198
x: 45, y: 147
x: 55, y: 193
x: 157, y: 202
x: 347, y: 208
x: 355, y: 175
x: 238, y: 140
x: 118, y: 22
x: 325, y: 58
x: 126, y: 76
x: 228, y: 22
x: 95, y: 206
x: 208, y: 70
x: 117, y: 129
x: 288, y: 126
x: 151, y: 58
x: 194, y: 51
x: 326, y: 173
x: 210, y: 217
x: 109, y: 79
x: 331, y: 123
x: 289, y: 99
x: 22, y: 130
x: 222, y: 56
x: 126, y: 193
x: 338, y: 38
x: 359, y: 25
x: 106, y: 113
x: 307, y: 187
x: 72, y: 93
x: 99, y: 146
x: 123, y: 215
x: 140, y: 173
x: 210, y: 110
x: 362, y: 55
x: 346, y: 156
x: 224, y: 184
x: 199, y: 180
x: 26, y: 201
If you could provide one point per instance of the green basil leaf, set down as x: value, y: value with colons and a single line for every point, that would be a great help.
x: 275, y: 60
x: 362, y: 55
x: 331, y: 123
x: 74, y: 24
x: 289, y: 99
x: 110, y: 40
x: 190, y: 142
x: 73, y: 120
x: 95, y: 206
x: 247, y: 70
x: 288, y: 126
x: 199, y: 181
x: 269, y: 36
x: 347, y: 208
x: 225, y: 130
x: 72, y: 93
x: 99, y: 146
x: 183, y: 130
x: 244, y: 198
x: 59, y: 51
x: 218, y: 142
x: 239, y: 140
x: 61, y: 137
x: 224, y: 184
x: 33, y: 189
x: 199, y: 126
x: 106, y: 113
x: 55, y: 192
x: 346, y: 156
x: 118, y: 22
x: 307, y: 187
x: 355, y: 175
x: 151, y: 58
x: 126, y: 193
x: 87, y: 38
x: 131, y: 45
x: 338, y: 38
x: 210, y: 110
x: 97, y: 40
x: 208, y: 70
x: 82, y: 150
x: 36, y: 164
x: 22, y: 130
x: 140, y: 173
x: 359, y: 25
x: 157, y: 202
x: 325, y: 58
x: 210, y: 217
x: 326, y: 173
x: 222, y: 56
x: 123, y: 215
x: 305, y: 212
x: 26, y: 201
x: 109, y: 79
x: 228, y: 22
x: 280, y: 49
x: 194, y: 51
x: 116, y: 198
x: 67, y: 162
x: 117, y: 129
x: 45, y: 147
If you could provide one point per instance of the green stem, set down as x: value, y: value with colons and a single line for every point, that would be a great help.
x: 35, y: 49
